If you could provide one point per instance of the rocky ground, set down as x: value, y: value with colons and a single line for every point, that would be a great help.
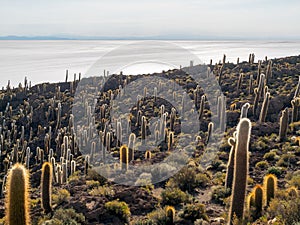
x: 196, y: 193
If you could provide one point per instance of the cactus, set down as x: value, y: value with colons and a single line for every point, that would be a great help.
x: 143, y: 128
x: 265, y: 106
x: 59, y: 175
x: 284, y: 122
x: 46, y: 183
x: 202, y: 106
x: 73, y: 167
x: 17, y: 198
x: 172, y: 119
x: 251, y: 84
x: 210, y: 130
x: 224, y: 59
x: 297, y: 89
x: 270, y: 186
x: 256, y: 100
x: 170, y: 215
x: 119, y: 133
x: 86, y: 164
x: 244, y: 110
x: 124, y: 157
x: 239, y: 83
x: 241, y: 163
x: 148, y: 155
x: 295, y: 109
x: 258, y: 201
x: 230, y: 165
x: 250, y: 201
x: 170, y: 141
x: 67, y: 74
x: 131, y: 144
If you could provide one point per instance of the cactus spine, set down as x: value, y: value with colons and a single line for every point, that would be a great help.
x: 240, y: 174
x: 46, y: 183
x: 17, y: 199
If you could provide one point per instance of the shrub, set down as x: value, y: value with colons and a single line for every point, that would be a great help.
x: 194, y: 211
x: 119, y: 209
x: 286, y: 160
x: 62, y: 195
x: 103, y: 191
x: 174, y: 196
x: 270, y: 156
x: 219, y: 194
x: 262, y: 165
x: 157, y: 217
x: 295, y: 181
x: 286, y: 209
x: 188, y: 179
x: 277, y: 171
x: 65, y: 217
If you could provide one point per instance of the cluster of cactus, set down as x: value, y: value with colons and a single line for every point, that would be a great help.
x: 261, y: 196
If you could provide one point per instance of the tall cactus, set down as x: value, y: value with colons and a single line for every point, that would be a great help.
x: 241, y: 163
x: 230, y: 165
x: 265, y: 106
x: 244, y: 110
x: 46, y: 183
x: 17, y: 198
x: 284, y: 123
x: 270, y: 186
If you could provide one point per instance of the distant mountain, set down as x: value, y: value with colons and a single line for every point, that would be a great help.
x: 11, y: 37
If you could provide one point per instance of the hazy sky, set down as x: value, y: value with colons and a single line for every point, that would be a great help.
x: 174, y: 18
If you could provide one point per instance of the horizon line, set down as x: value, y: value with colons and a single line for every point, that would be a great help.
x: 163, y: 37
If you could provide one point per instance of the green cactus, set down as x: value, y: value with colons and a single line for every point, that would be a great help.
x: 270, y: 187
x: 170, y: 215
x: 148, y: 155
x: 17, y: 197
x: 241, y: 163
x: 170, y: 141
x: 258, y: 201
x: 124, y: 157
x: 46, y: 184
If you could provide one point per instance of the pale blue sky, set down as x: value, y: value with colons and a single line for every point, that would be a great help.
x: 140, y: 18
